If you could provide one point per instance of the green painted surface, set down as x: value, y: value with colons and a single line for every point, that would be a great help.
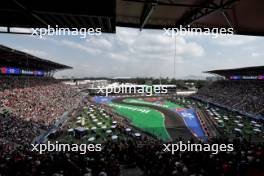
x: 147, y: 119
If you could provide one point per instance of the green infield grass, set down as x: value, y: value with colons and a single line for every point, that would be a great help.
x: 147, y: 119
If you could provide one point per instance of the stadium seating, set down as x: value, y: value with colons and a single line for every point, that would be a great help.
x: 244, y: 96
x: 32, y: 104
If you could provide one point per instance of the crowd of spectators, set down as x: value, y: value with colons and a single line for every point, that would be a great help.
x: 34, y: 104
x: 141, y: 157
x: 31, y: 104
x: 244, y: 96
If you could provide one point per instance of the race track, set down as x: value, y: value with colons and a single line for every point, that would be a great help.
x: 173, y: 122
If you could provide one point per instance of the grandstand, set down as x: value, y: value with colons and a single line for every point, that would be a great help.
x: 26, y: 64
x: 30, y: 98
x: 241, y: 91
x: 250, y: 72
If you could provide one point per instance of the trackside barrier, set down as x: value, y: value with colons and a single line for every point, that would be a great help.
x: 58, y: 123
x: 204, y: 126
x: 43, y: 137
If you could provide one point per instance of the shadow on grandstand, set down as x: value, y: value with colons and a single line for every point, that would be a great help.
x: 14, y: 82
x: 19, y: 132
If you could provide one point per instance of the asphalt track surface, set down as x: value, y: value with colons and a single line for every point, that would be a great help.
x: 173, y: 122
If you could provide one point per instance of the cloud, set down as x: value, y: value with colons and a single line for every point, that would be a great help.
x: 118, y: 57
x: 131, y: 45
x: 76, y: 45
x: 256, y: 54
x: 234, y: 40
x: 99, y: 43
x: 188, y: 48
x: 152, y: 44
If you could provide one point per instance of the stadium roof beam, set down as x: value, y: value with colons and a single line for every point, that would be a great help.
x: 100, y: 20
x: 197, y: 13
x: 66, y: 21
x: 26, y: 10
x: 171, y: 3
x: 146, y: 13
x: 228, y: 20
x: 109, y: 24
x: 50, y: 20
x: 75, y: 21
x: 91, y: 20
x: 83, y: 21
x: 55, y: 20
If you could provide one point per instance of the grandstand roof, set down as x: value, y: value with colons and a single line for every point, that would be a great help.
x: 14, y: 58
x: 246, y: 16
x: 65, y: 14
x: 246, y: 71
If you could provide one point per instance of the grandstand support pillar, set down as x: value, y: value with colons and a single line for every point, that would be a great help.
x: 52, y: 73
x: 146, y: 13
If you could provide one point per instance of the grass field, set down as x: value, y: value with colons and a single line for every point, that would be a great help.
x: 188, y: 115
x: 147, y: 119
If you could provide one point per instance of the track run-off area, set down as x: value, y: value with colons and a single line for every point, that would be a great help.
x: 164, y: 119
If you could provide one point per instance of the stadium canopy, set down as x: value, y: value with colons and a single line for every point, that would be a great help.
x: 13, y: 58
x: 65, y: 14
x: 246, y: 71
x: 245, y: 16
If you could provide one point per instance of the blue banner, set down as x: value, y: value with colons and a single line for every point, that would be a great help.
x: 18, y: 71
x: 102, y: 99
x: 192, y: 122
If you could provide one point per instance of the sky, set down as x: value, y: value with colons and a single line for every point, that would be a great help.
x: 147, y: 53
